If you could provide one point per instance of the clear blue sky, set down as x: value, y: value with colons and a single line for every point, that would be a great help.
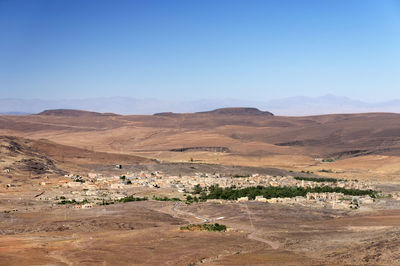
x: 200, y: 49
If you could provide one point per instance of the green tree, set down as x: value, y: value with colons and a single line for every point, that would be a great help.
x: 197, y: 189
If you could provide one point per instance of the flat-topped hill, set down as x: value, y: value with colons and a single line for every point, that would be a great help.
x: 234, y: 111
x: 238, y: 111
x: 71, y: 112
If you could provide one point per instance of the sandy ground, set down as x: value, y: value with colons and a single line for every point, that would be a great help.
x: 147, y: 233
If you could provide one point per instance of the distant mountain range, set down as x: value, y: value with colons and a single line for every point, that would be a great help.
x: 292, y: 106
x: 14, y: 113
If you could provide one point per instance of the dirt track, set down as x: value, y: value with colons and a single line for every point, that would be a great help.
x: 132, y: 233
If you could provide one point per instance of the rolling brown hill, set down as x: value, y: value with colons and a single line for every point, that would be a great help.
x: 26, y: 159
x: 243, y: 136
x: 69, y: 112
x: 18, y: 158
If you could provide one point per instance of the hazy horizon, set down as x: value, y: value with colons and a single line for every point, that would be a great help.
x: 292, y: 106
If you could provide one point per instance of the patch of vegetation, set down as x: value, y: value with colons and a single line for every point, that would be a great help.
x: 122, y: 177
x: 325, y: 171
x: 306, y: 172
x: 203, y: 197
x: 190, y: 199
x: 354, y: 204
x: 73, y: 201
x: 318, y: 179
x: 239, y: 176
x: 106, y: 202
x: 132, y: 198
x: 166, y: 199
x: 197, y: 189
x: 329, y: 160
x: 205, y: 227
x: 125, y: 199
x: 231, y: 193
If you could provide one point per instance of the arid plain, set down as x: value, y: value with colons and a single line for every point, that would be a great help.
x: 54, y: 163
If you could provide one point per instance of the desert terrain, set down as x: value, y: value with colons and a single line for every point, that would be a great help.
x: 86, y: 188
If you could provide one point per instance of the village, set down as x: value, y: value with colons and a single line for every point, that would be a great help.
x: 96, y: 189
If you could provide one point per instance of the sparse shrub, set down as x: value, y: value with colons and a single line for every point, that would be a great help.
x: 203, y: 196
x: 166, y: 199
x: 73, y: 201
x: 132, y: 198
x: 325, y: 171
x: 189, y: 199
x: 205, y: 227
x: 239, y: 176
x: 125, y: 199
x: 306, y: 172
x: 197, y: 189
x: 318, y: 179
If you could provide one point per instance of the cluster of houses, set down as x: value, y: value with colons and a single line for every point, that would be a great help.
x: 97, y: 186
x: 185, y: 183
x: 333, y: 200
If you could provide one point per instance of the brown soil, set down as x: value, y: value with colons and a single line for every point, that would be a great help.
x: 362, y: 146
x: 244, y: 138
x: 148, y: 233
